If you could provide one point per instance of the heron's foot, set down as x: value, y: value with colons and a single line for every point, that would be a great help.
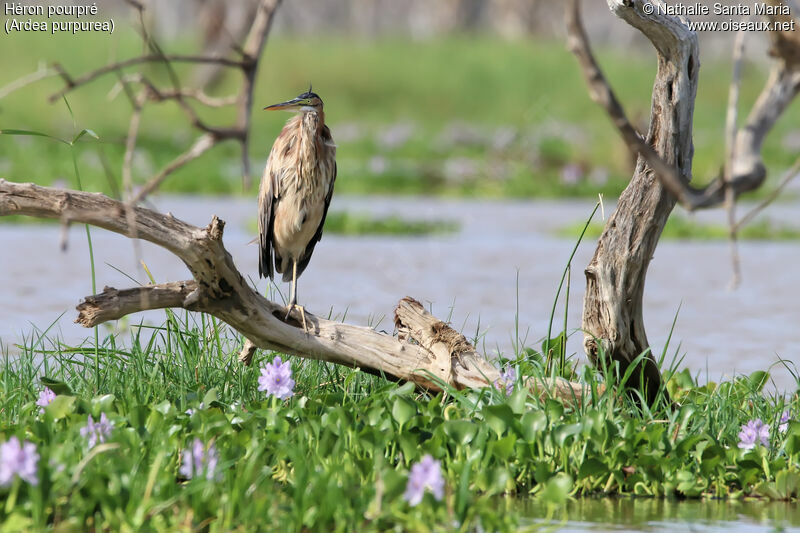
x: 292, y: 307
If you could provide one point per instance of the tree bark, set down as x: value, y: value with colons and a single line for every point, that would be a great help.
x: 612, y: 313
x: 427, y: 351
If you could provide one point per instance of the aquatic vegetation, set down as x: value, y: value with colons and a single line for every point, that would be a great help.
x: 178, y: 418
x: 753, y: 433
x: 18, y: 459
x: 426, y: 474
x: 276, y: 379
x: 508, y: 378
x: 200, y: 462
x: 97, y: 432
x: 45, y: 397
x: 682, y: 228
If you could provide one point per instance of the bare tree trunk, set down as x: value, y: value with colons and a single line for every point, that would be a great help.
x: 612, y: 313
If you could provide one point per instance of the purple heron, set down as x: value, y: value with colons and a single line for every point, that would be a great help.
x: 295, y: 193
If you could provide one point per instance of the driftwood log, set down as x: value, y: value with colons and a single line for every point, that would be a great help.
x: 426, y: 351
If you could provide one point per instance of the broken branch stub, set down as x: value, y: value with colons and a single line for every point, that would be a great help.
x: 427, y: 351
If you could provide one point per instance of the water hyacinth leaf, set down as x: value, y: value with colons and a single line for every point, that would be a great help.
x: 499, y: 418
x: 711, y: 457
x: 517, y: 401
x: 557, y: 488
x: 409, y: 445
x: 461, y: 431
x: 404, y: 390
x: 532, y: 424
x: 503, y: 448
x: 165, y: 408
x: 793, y: 444
x: 554, y: 409
x: 542, y: 472
x: 788, y: 484
x: 154, y: 421
x: 60, y: 407
x: 210, y: 396
x: 758, y: 379
x: 17, y: 522
x: 403, y: 409
x: 103, y: 403
x: 59, y: 387
x: 592, y: 422
x: 563, y: 432
x: 592, y: 467
x: 499, y: 480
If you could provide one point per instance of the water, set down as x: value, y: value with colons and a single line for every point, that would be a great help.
x: 644, y: 514
x: 504, y: 263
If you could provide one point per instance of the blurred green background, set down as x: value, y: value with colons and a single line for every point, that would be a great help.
x: 471, y: 114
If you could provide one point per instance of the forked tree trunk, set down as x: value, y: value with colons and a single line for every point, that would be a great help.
x: 612, y: 312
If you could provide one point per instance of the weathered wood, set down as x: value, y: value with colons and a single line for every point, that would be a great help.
x: 612, y: 313
x: 615, y: 277
x: 427, y: 352
x: 747, y: 170
x: 112, y: 304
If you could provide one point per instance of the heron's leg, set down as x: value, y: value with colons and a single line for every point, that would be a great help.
x: 293, y: 298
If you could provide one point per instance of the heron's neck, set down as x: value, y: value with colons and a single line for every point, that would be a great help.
x: 312, y: 122
x: 310, y: 125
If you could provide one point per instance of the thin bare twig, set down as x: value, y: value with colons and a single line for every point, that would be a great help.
x: 201, y: 145
x: 250, y: 53
x: 731, y: 130
x: 41, y: 73
x: 74, y: 83
x: 601, y: 92
x: 780, y: 90
x: 788, y: 176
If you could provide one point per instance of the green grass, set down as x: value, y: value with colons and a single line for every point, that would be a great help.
x: 336, y: 455
x: 681, y: 228
x: 532, y: 87
x: 347, y: 223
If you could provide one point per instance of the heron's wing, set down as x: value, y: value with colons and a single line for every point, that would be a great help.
x: 268, y: 192
x: 301, y: 265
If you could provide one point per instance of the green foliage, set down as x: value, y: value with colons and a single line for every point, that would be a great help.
x: 347, y: 223
x: 532, y: 87
x: 681, y: 228
x: 336, y: 456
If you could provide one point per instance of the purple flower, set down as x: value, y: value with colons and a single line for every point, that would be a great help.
x: 753, y: 433
x: 45, y: 397
x: 18, y: 459
x: 276, y: 379
x: 97, y: 432
x: 508, y: 378
x: 784, y: 425
x: 425, y: 474
x: 200, y: 462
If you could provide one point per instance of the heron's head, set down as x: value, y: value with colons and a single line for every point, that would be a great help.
x: 306, y: 102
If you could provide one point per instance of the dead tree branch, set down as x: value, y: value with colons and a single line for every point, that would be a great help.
x: 613, y: 320
x: 747, y: 169
x: 427, y: 351
x: 247, y: 64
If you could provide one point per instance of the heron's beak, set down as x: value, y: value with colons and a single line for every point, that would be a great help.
x: 289, y: 105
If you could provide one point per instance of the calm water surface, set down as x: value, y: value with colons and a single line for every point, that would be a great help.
x: 504, y: 263
x: 641, y: 514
